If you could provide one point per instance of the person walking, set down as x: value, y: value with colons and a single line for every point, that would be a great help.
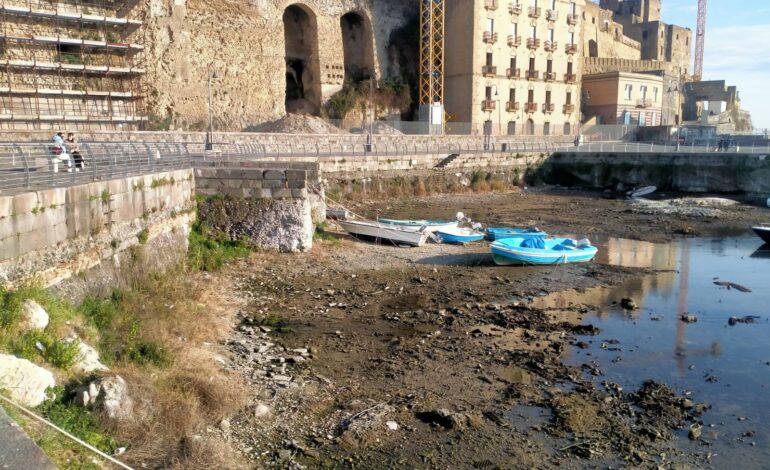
x: 72, y: 144
x: 59, y: 153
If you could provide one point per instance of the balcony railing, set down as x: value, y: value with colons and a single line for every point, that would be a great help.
x: 534, y: 12
x: 551, y: 15
x: 514, y: 41
x: 570, y: 78
x: 644, y: 103
x: 490, y: 37
x: 550, y: 46
x: 533, y: 43
x: 513, y: 73
x: 512, y: 106
x: 533, y: 74
x: 489, y: 70
x: 571, y: 48
x: 530, y: 107
x: 548, y: 108
x: 514, y: 8
x: 549, y: 76
x: 490, y: 4
x: 488, y: 105
x: 569, y: 108
x: 572, y: 19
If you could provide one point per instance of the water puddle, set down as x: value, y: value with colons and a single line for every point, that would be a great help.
x: 724, y: 363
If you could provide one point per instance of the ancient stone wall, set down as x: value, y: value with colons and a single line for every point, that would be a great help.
x: 604, y: 37
x: 244, y: 44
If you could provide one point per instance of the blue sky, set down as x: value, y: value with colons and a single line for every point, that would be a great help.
x: 737, y: 41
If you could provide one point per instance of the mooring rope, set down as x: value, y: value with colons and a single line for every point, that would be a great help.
x: 65, y: 433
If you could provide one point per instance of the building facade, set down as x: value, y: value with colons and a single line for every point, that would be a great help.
x: 631, y: 99
x: 513, y: 67
x: 72, y: 65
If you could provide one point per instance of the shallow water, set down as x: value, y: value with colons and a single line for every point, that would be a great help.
x: 725, y: 366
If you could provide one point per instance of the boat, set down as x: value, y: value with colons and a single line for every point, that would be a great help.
x: 641, y: 192
x: 500, y: 233
x: 459, y: 236
x: 379, y: 231
x: 763, y: 231
x: 541, y: 251
x: 337, y: 214
x: 429, y: 226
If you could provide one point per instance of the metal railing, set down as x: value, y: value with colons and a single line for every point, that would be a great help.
x: 710, y: 148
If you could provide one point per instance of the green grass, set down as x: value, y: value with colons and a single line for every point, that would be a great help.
x: 41, y: 344
x: 208, y: 254
x: 321, y: 235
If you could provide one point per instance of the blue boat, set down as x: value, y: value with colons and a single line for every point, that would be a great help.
x: 459, y: 236
x: 540, y: 251
x: 501, y: 233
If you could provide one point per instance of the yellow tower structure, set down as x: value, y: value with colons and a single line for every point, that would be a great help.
x: 432, y: 63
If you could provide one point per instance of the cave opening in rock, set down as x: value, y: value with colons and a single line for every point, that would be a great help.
x: 303, y: 74
x: 357, y: 43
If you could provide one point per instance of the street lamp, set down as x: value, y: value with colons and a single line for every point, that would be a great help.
x: 212, y: 75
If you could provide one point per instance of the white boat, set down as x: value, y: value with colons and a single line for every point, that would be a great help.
x: 430, y: 226
x: 641, y: 192
x: 378, y: 231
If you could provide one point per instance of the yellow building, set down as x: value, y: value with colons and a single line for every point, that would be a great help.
x: 623, y: 98
x: 513, y: 67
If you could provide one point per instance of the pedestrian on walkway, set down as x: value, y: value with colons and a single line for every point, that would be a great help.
x: 72, y: 144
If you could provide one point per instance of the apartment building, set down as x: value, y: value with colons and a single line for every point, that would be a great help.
x: 71, y: 64
x: 514, y: 67
x: 632, y: 99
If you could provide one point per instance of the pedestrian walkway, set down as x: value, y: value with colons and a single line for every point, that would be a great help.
x: 17, y: 450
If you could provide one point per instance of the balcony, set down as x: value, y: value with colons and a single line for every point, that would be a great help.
x: 513, y: 73
x: 550, y: 46
x: 549, y: 76
x: 512, y: 106
x: 571, y: 48
x: 490, y: 4
x: 570, y: 78
x: 489, y: 70
x: 530, y: 107
x: 488, y: 105
x: 514, y: 41
x: 490, y: 37
x: 548, y: 108
x: 533, y: 43
x: 533, y: 75
x: 643, y: 103
x: 514, y: 8
x: 572, y: 20
x: 551, y: 15
x: 569, y: 108
x: 535, y: 12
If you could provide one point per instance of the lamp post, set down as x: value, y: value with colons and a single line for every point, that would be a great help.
x: 371, y: 114
x: 212, y: 75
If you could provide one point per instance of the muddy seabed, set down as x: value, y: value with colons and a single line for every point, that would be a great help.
x: 373, y: 356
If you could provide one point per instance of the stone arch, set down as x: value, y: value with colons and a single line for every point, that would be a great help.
x: 358, y: 46
x: 303, y: 68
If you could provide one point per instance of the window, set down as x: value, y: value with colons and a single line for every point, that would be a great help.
x: 488, y: 93
x: 655, y: 94
x: 644, y: 35
x: 569, y: 98
x: 553, y: 4
x: 531, y: 96
x: 531, y: 64
x: 533, y: 3
x: 653, y: 117
x: 533, y: 32
x: 513, y: 64
x: 569, y: 68
x: 530, y: 127
x: 512, y: 95
x: 489, y: 59
x: 643, y: 92
x: 573, y: 8
x: 550, y: 35
x: 629, y: 90
x: 567, y: 129
x: 514, y: 29
x: 626, y: 118
x: 490, y: 25
x: 571, y: 38
x: 549, y: 66
x: 548, y: 97
x: 642, y: 121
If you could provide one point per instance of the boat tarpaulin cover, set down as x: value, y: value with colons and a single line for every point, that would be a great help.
x: 533, y: 242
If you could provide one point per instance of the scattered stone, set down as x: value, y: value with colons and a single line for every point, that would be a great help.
x: 33, y: 316
x: 392, y: 425
x: 364, y: 427
x: 108, y: 395
x: 746, y: 320
x: 25, y: 382
x: 732, y: 285
x: 88, y: 358
x: 695, y: 431
x: 262, y: 410
x: 224, y: 425
x: 628, y: 304
x: 687, y: 318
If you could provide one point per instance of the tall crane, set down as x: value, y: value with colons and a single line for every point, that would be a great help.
x: 700, y: 40
x: 432, y: 61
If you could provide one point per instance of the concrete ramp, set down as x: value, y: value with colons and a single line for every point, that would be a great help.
x: 17, y: 450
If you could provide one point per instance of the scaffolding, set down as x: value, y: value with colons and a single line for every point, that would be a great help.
x: 72, y: 64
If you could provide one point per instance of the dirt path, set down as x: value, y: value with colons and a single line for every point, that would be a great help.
x: 366, y: 356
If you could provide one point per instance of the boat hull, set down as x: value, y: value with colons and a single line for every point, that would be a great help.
x: 763, y: 233
x: 377, y: 231
x: 505, y: 255
x: 430, y: 226
x: 494, y: 234
x: 459, y: 237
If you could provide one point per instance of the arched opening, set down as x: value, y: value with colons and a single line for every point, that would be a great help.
x: 530, y: 127
x: 593, y: 48
x: 358, y: 46
x: 303, y: 70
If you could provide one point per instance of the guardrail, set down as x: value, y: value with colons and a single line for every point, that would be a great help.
x: 711, y: 148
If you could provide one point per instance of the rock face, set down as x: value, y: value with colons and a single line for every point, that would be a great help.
x: 108, y: 395
x: 26, y: 382
x: 34, y: 317
x: 88, y: 358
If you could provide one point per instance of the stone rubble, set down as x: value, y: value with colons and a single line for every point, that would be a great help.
x: 33, y: 316
x: 88, y: 357
x: 25, y: 382
x: 108, y: 395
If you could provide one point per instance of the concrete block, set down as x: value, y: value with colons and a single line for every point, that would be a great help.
x: 282, y: 194
x: 6, y: 206
x: 299, y: 193
x: 273, y: 184
x: 252, y: 184
x: 9, y: 247
x: 295, y: 175
x: 210, y: 192
x: 232, y: 183
x: 264, y: 193
x: 211, y: 173
x: 252, y: 174
x: 24, y: 203
x: 297, y: 184
x: 274, y: 175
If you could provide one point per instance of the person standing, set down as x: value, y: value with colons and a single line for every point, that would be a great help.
x: 72, y: 144
x: 59, y: 153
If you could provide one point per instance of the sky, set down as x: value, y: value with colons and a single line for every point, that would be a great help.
x: 737, y: 41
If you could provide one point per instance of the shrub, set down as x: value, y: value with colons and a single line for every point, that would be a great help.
x: 36, y: 344
x: 76, y: 420
x: 209, y: 254
x: 146, y: 352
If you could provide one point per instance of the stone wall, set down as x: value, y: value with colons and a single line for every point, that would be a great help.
x: 243, y: 42
x: 712, y: 173
x: 58, y: 234
x: 596, y: 65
